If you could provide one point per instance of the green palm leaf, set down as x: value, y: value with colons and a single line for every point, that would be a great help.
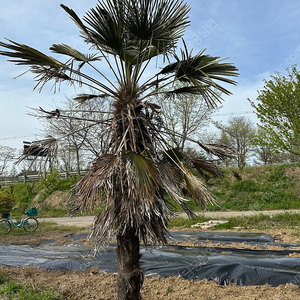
x: 146, y: 173
x: 76, y: 20
x: 160, y: 22
x: 201, y: 71
x: 107, y: 28
x: 68, y: 50
x: 26, y: 55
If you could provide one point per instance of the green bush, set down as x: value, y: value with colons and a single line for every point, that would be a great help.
x: 7, y: 201
x: 54, y: 182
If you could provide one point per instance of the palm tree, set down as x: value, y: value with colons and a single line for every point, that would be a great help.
x: 137, y: 174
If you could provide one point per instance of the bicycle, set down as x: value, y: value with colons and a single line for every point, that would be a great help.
x: 29, y: 223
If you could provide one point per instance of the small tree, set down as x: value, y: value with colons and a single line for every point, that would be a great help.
x: 278, y: 110
x: 74, y: 130
x: 6, y: 154
x: 7, y: 201
x: 238, y: 133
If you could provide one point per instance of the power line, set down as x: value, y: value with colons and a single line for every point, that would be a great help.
x: 215, y: 115
x: 233, y: 113
x: 17, y: 137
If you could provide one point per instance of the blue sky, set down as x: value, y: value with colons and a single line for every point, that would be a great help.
x: 258, y: 36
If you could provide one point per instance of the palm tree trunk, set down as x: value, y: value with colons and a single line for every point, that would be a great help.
x: 130, y: 277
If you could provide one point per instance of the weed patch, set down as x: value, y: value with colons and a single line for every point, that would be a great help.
x: 13, y: 290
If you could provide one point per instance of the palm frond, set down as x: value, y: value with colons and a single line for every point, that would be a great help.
x: 173, y: 155
x: 219, y: 150
x: 107, y: 26
x: 77, y: 55
x: 76, y: 20
x: 46, y: 147
x: 146, y: 173
x: 202, y: 72
x: 45, y: 150
x: 134, y: 31
x: 196, y: 190
x: 45, y: 67
x: 182, y: 91
x: 81, y: 98
x: 160, y: 22
x: 204, y: 166
x: 25, y: 55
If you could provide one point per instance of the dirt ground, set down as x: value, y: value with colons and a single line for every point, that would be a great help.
x: 92, y: 284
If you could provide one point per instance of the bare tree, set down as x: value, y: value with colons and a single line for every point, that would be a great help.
x: 238, y: 133
x: 6, y: 154
x: 186, y: 116
x: 79, y: 130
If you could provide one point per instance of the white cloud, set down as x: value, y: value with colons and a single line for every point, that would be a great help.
x: 238, y: 103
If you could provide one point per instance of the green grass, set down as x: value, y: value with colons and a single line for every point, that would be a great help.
x: 48, y: 211
x: 44, y: 227
x: 259, y: 221
x: 184, y: 222
x: 12, y: 290
x: 256, y: 188
x: 51, y: 226
x: 260, y: 188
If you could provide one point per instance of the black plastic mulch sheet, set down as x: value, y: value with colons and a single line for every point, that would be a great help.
x: 223, y: 265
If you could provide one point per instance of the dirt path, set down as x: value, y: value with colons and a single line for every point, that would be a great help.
x: 87, y: 221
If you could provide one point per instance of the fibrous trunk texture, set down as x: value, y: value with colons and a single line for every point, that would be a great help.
x: 130, y: 277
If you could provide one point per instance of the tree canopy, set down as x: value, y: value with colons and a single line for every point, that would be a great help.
x: 278, y: 108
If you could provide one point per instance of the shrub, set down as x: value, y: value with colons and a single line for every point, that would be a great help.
x: 7, y: 201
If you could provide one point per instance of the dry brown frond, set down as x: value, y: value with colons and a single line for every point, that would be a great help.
x: 222, y: 151
x: 45, y: 149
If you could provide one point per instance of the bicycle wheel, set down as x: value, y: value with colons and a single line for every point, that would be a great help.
x: 5, y: 227
x: 30, y: 224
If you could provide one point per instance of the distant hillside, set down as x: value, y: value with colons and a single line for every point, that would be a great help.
x: 258, y: 188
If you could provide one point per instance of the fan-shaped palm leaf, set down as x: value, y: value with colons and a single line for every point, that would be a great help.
x: 69, y: 51
x: 146, y: 173
x: 157, y: 21
x: 25, y: 55
x: 200, y: 72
